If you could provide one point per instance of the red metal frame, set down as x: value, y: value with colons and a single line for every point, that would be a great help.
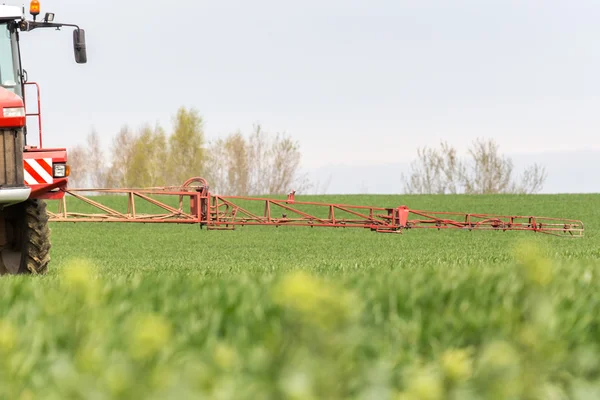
x: 47, y: 191
x: 54, y: 190
x: 226, y: 212
x: 39, y: 110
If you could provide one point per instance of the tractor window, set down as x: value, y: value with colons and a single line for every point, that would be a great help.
x: 8, y: 77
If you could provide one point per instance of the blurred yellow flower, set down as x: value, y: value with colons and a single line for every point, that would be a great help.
x: 77, y: 278
x: 89, y: 357
x: 425, y: 384
x: 149, y: 333
x: 26, y: 394
x: 316, y: 301
x: 536, y: 268
x: 225, y: 356
x: 297, y: 385
x: 499, y: 355
x: 457, y: 365
x: 117, y: 378
x: 528, y: 336
x: 500, y: 369
x: 8, y: 336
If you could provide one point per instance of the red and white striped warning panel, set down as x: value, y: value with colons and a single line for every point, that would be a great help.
x: 38, y: 171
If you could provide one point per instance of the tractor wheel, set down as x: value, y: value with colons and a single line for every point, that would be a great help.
x: 26, y: 244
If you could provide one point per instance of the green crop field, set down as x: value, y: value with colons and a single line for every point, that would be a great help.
x: 131, y: 311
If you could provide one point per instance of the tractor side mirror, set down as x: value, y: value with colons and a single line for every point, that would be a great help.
x: 79, y: 46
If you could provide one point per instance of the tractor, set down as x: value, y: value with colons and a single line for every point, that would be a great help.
x: 29, y: 175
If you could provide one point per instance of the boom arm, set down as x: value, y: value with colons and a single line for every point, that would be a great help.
x: 227, y: 212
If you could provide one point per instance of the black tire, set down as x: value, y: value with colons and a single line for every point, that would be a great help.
x: 27, y: 250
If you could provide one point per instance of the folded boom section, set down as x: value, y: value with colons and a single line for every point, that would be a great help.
x: 192, y: 203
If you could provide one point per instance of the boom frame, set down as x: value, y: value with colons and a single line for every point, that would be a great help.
x: 218, y: 212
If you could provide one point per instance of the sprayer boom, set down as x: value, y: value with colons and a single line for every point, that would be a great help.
x: 226, y: 212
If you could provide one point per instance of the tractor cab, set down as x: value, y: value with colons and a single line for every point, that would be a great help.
x: 9, y: 57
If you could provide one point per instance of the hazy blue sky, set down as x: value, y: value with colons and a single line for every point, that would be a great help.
x: 356, y: 82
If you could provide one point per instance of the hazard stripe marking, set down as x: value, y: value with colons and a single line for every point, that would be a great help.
x: 28, y: 178
x: 36, y: 178
x: 37, y: 171
x: 46, y: 164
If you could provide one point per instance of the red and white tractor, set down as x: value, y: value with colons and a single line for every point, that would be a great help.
x: 28, y: 174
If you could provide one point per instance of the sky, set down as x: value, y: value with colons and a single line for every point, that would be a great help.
x: 356, y: 83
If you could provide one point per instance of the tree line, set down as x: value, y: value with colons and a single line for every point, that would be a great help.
x: 485, y: 171
x: 236, y: 164
x: 261, y: 163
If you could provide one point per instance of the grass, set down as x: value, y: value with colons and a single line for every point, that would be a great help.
x: 164, y: 311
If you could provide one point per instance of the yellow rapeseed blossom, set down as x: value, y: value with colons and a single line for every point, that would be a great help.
x: 499, y: 355
x: 89, y: 357
x: 528, y: 336
x: 117, y: 378
x: 457, y: 365
x: 149, y: 333
x: 26, y: 394
x: 537, y: 268
x: 77, y: 278
x: 316, y: 301
x: 499, y: 365
x: 424, y: 384
x: 297, y: 385
x: 8, y: 336
x: 225, y: 356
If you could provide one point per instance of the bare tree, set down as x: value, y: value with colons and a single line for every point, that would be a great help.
x: 490, y: 172
x: 158, y: 152
x: 148, y: 157
x: 229, y: 163
x: 139, y: 159
x: 259, y: 154
x: 122, y: 151
x: 77, y: 160
x: 533, y: 179
x: 435, y: 171
x: 284, y: 165
x: 439, y: 171
x: 216, y: 171
x: 261, y: 164
x: 95, y: 160
x: 186, y: 147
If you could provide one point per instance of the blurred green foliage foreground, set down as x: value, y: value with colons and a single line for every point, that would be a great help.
x: 527, y: 330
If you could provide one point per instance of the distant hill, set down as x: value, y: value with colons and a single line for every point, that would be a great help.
x: 568, y: 172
